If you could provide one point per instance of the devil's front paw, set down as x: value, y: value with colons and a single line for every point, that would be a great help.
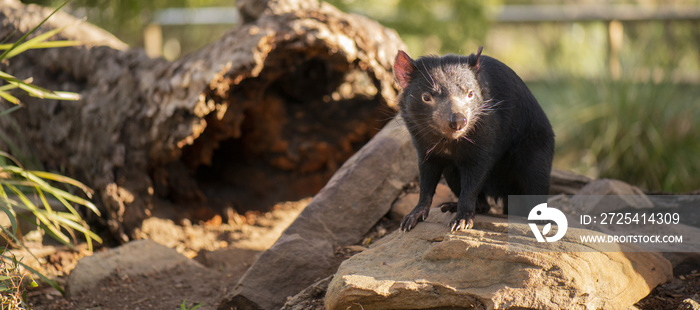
x: 417, y: 215
x: 462, y: 221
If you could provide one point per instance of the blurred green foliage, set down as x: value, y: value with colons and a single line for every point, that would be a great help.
x: 126, y: 19
x: 641, y: 127
x: 643, y: 132
x: 437, y: 27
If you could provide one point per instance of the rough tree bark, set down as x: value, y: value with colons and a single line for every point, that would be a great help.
x: 264, y: 114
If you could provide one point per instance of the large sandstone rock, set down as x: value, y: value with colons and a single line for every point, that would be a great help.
x: 358, y: 195
x: 429, y: 267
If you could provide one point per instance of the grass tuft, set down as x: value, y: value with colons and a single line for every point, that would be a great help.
x: 642, y: 131
x: 24, y: 191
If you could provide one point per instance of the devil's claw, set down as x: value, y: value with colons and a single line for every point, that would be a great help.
x: 462, y: 223
x: 417, y: 215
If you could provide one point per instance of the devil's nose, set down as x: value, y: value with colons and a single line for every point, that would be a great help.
x: 457, y: 121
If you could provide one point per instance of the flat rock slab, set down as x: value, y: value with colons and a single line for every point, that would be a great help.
x: 430, y: 267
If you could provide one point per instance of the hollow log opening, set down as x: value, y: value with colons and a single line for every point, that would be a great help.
x: 278, y: 136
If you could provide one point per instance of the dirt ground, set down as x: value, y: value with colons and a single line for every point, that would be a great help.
x: 228, y: 248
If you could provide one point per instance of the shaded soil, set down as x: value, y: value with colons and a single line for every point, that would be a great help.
x: 670, y: 295
x: 226, y: 248
x: 163, y: 290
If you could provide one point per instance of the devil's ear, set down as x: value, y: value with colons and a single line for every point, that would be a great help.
x: 474, y: 61
x: 403, y: 67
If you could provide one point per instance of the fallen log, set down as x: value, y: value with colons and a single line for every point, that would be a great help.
x: 265, y: 114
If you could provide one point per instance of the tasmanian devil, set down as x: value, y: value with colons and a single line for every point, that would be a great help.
x: 475, y: 122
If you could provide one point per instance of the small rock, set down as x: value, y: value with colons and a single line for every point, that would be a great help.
x: 692, y: 303
x: 684, y: 263
x: 566, y: 182
x: 430, y: 267
x: 231, y: 261
x: 311, y: 298
x: 403, y: 205
x: 133, y: 259
x: 607, y: 195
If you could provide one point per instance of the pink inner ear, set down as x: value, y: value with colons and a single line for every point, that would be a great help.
x: 403, y: 67
x: 478, y: 61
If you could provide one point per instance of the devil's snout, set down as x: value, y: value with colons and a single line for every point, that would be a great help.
x: 457, y: 121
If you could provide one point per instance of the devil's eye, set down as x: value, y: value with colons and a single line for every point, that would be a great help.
x: 427, y: 98
x: 470, y: 94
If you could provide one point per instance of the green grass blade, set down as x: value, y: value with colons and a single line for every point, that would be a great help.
x: 17, y: 240
x: 60, y: 194
x: 42, y: 197
x: 79, y: 228
x: 12, y: 109
x: 50, y: 226
x: 41, y: 276
x: 18, y: 183
x: 7, y: 87
x: 36, y: 91
x: 8, y: 210
x: 33, y: 42
x: 30, y: 88
x: 63, y: 179
x: 67, y: 204
x: 51, y: 220
x: 32, y: 176
x: 10, y: 237
x: 69, y: 221
x: 61, y: 95
x: 33, y: 90
x: 10, y: 98
x: 54, y: 234
x: 48, y: 44
x: 3, y: 55
x: 58, y: 95
x: 11, y: 158
x: 11, y: 216
x: 87, y: 231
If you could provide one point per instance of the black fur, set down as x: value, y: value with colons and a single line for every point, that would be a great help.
x: 504, y: 147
